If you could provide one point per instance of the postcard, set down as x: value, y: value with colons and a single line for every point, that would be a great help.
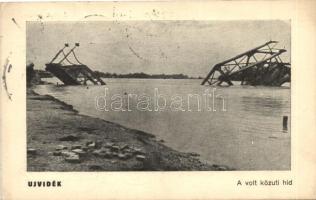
x: 158, y: 100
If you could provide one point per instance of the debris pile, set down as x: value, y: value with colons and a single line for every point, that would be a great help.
x: 77, y: 152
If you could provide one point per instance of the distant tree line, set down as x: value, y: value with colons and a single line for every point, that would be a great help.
x: 143, y: 75
x: 46, y: 74
x: 33, y: 76
x: 43, y: 73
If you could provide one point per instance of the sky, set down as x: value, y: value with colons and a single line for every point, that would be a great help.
x: 153, y: 47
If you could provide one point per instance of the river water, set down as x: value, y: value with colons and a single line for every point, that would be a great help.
x: 238, y: 126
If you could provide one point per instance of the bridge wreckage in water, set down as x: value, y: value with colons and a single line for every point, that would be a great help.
x: 71, y: 73
x: 259, y: 66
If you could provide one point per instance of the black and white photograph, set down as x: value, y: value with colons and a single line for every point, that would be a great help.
x: 158, y: 95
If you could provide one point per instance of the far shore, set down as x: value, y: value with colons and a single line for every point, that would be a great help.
x: 61, y: 139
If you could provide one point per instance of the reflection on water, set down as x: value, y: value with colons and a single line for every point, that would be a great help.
x: 247, y: 136
x: 267, y: 105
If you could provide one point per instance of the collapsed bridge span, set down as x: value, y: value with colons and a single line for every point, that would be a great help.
x: 72, y: 73
x: 259, y: 66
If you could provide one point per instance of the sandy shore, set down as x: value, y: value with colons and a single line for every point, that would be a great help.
x: 60, y: 139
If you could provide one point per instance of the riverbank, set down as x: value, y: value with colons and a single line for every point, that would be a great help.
x: 60, y: 139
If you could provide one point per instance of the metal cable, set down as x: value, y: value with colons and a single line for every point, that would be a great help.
x: 76, y: 58
x: 67, y: 58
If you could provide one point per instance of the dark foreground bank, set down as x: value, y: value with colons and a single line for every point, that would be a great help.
x: 60, y: 139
